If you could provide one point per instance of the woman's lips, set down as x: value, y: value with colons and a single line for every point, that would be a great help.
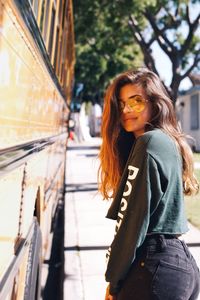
x: 130, y: 118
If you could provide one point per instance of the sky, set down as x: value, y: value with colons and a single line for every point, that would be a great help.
x: 162, y: 61
x: 163, y: 66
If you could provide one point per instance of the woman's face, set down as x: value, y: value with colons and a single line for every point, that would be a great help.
x: 134, y: 116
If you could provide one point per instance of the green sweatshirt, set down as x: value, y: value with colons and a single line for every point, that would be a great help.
x: 149, y: 200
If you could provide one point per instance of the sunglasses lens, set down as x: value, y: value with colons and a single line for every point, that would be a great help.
x: 137, y: 104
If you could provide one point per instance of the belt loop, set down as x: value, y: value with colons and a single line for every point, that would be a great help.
x: 185, y: 248
x: 162, y: 242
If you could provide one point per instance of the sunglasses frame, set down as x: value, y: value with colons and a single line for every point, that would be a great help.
x: 131, y: 106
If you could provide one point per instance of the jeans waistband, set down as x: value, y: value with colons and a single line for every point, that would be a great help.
x: 161, y: 241
x: 157, y: 236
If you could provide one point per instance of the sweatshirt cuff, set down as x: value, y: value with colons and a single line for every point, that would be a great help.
x: 114, y: 289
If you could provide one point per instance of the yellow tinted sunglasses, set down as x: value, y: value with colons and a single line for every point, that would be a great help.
x: 136, y: 103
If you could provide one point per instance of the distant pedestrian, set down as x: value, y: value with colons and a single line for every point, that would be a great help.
x: 146, y: 166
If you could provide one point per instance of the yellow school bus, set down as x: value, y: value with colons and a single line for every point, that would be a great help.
x: 36, y: 77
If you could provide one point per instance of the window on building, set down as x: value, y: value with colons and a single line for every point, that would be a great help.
x: 194, y: 112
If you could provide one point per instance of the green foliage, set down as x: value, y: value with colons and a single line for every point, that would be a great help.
x: 104, y: 42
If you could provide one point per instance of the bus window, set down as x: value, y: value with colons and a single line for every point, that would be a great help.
x: 46, y: 20
x: 63, y: 13
x: 51, y: 32
x: 35, y: 4
x: 55, y: 58
x: 42, y: 12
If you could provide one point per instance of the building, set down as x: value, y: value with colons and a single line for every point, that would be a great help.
x: 188, y: 112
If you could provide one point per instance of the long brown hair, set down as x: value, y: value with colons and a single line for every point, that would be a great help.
x: 116, y: 143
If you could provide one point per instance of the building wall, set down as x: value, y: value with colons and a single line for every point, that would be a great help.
x: 188, y: 112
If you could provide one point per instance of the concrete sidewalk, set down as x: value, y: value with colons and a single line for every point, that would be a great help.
x: 87, y: 232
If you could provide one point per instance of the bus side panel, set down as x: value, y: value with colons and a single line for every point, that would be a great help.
x: 31, y: 106
x: 10, y: 216
x: 33, y: 119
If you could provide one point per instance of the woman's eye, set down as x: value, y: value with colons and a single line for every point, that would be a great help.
x: 138, y: 101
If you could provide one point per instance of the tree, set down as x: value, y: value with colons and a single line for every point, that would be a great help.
x: 104, y: 42
x: 170, y: 25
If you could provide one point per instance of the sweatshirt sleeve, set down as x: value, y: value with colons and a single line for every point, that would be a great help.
x: 142, y: 185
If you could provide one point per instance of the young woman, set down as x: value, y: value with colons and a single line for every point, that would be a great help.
x: 146, y: 166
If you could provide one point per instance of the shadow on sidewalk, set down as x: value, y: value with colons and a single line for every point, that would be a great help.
x: 85, y: 248
x: 82, y: 147
x: 193, y: 244
x: 81, y: 187
x: 53, y: 289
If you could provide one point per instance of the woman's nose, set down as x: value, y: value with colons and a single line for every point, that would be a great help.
x: 126, y: 109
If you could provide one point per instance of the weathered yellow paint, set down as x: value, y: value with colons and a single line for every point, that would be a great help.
x: 10, y: 187
x: 31, y: 108
x: 30, y: 105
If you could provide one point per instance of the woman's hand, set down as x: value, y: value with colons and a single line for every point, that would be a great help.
x: 108, y: 296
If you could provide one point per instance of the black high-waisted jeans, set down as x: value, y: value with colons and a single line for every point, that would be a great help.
x: 163, y: 270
